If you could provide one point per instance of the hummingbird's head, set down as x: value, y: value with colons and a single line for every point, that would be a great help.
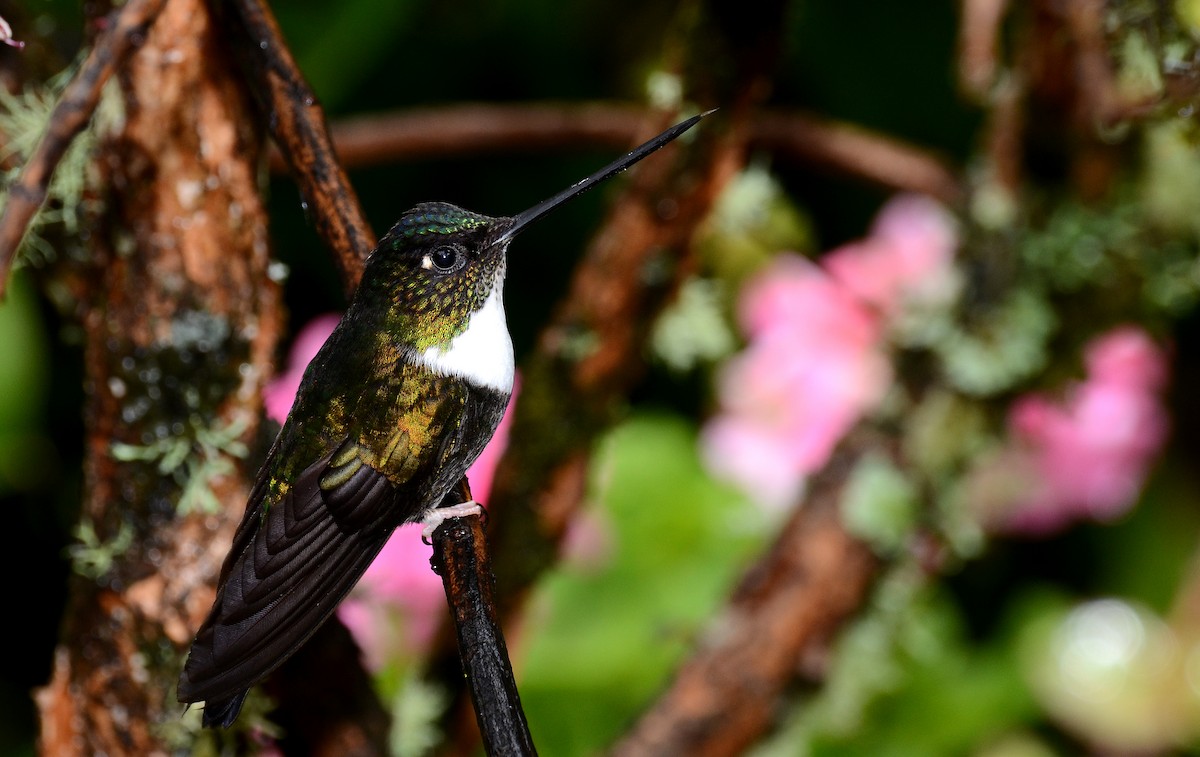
x: 438, y: 273
x: 436, y: 267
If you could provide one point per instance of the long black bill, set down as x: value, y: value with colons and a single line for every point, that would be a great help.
x: 521, y: 220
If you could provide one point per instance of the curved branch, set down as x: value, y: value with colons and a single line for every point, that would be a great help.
x: 297, y: 124
x: 125, y: 32
x: 839, y: 147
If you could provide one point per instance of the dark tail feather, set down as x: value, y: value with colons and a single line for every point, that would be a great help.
x: 222, y: 712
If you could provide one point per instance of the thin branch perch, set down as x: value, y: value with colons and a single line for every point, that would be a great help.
x: 460, y: 556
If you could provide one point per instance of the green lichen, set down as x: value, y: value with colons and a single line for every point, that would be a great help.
x: 943, y: 432
x: 1000, y: 350
x: 578, y: 344
x: 173, y: 437
x: 880, y: 505
x: 93, y: 557
x: 1081, y: 246
x: 694, y: 329
x: 1139, y: 77
x: 250, y: 734
x: 750, y: 222
x: 193, y: 458
x: 1141, y: 250
x: 416, y: 708
x: 1170, y: 181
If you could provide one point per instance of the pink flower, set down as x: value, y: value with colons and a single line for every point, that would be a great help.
x: 813, y: 367
x: 397, y: 604
x: 1090, y: 453
x: 815, y: 363
x: 1126, y: 357
x: 907, y: 257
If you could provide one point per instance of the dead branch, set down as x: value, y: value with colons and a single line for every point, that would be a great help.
x: 460, y: 556
x: 979, y: 61
x: 478, y: 127
x: 853, y: 151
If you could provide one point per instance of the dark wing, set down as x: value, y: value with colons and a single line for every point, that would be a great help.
x: 288, y: 569
x: 308, y: 537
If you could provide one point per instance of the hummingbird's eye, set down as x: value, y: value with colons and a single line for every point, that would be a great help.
x: 445, y: 259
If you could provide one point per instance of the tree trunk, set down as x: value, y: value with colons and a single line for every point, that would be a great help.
x: 181, y: 326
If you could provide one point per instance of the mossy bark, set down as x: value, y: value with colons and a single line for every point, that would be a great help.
x: 181, y: 322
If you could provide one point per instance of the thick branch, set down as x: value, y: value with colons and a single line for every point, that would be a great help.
x: 126, y: 29
x: 978, y: 46
x: 857, y: 152
x: 477, y: 127
x: 181, y: 323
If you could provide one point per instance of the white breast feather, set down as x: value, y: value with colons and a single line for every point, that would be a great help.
x: 483, y: 354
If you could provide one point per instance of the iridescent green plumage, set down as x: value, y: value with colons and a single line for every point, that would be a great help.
x: 377, y: 436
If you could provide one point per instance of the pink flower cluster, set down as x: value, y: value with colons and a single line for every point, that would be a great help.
x: 396, y: 605
x: 1089, y: 454
x: 815, y: 360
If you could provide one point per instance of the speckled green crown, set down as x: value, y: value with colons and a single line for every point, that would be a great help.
x: 435, y: 218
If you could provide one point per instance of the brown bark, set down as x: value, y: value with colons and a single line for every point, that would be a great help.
x: 181, y: 327
x: 460, y: 555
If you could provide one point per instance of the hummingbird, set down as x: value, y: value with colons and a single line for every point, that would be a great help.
x: 400, y: 400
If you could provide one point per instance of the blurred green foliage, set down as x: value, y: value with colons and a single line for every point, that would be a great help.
x: 666, y: 543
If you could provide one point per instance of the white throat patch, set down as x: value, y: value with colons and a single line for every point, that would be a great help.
x: 483, y: 354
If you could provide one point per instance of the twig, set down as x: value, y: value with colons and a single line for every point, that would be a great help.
x: 978, y: 46
x: 789, y: 135
x: 1099, y: 101
x: 126, y: 30
x: 460, y: 556
x: 297, y: 124
x: 477, y: 127
x: 857, y: 152
x: 814, y: 577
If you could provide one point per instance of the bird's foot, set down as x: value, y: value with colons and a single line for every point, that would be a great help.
x: 438, y: 515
